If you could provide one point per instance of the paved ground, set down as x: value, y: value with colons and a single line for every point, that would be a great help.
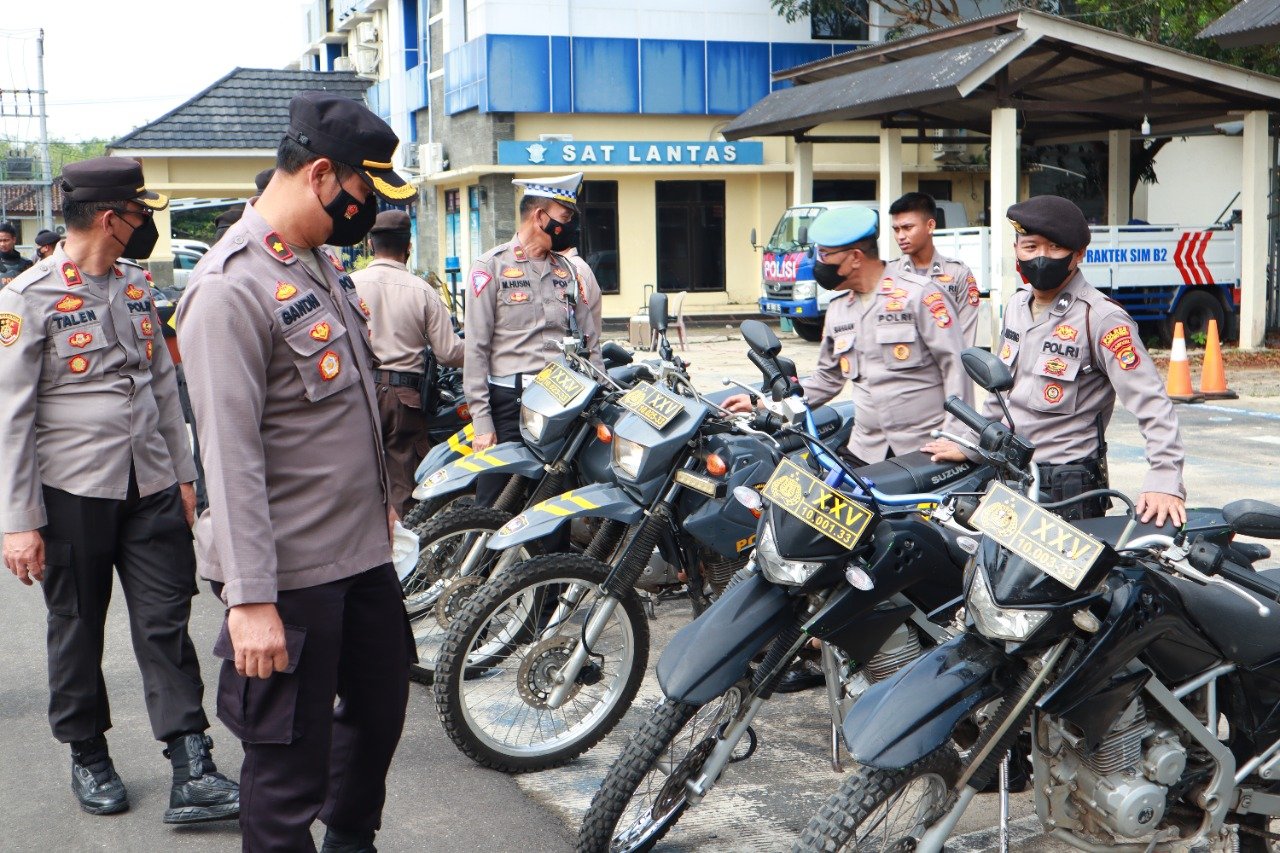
x: 440, y: 801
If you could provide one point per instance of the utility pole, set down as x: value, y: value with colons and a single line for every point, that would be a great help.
x: 46, y: 167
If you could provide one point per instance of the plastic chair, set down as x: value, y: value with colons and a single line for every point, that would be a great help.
x: 675, y: 320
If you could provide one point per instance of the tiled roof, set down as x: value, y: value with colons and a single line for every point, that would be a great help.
x: 24, y: 199
x: 1249, y: 22
x: 248, y: 108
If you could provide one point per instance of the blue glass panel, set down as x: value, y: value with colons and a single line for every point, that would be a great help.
x: 737, y: 75
x: 561, y: 75
x: 673, y: 78
x: 519, y: 74
x: 606, y: 75
x: 464, y: 77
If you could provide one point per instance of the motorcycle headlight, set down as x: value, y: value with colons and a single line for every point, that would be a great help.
x: 774, y: 567
x: 628, y: 456
x: 533, y: 422
x: 804, y: 290
x: 1000, y: 623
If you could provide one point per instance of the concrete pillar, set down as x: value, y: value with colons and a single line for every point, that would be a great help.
x: 1002, y: 277
x: 802, y: 174
x: 1118, y: 210
x: 890, y: 186
x: 1253, y: 239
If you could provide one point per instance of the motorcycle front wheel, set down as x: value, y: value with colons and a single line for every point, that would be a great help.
x: 423, y: 511
x: 643, y: 794
x: 883, y: 810
x: 497, y: 667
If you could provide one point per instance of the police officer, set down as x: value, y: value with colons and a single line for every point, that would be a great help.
x: 892, y: 334
x: 522, y: 300
x: 297, y: 536
x: 914, y: 218
x: 93, y: 448
x: 45, y: 240
x: 1072, y: 351
x: 405, y: 316
x: 225, y: 220
x: 11, y: 260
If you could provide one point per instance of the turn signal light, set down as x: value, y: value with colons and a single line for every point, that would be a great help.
x: 716, y: 466
x: 604, y: 435
x: 463, y: 412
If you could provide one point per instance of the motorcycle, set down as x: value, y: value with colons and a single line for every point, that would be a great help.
x: 572, y: 629
x: 1142, y: 661
x: 858, y: 568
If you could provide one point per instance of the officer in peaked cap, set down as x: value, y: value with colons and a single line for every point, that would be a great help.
x: 275, y: 342
x: 98, y: 473
x: 1072, y: 352
x: 523, y: 298
x: 406, y: 316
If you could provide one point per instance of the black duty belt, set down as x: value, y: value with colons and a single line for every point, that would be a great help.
x: 397, y: 379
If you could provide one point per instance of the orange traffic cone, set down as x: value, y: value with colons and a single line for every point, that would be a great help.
x: 1213, y: 376
x: 1179, y: 383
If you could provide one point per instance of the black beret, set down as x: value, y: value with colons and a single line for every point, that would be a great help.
x: 1054, y: 217
x: 391, y: 220
x: 345, y: 130
x: 109, y: 179
x: 263, y: 178
x: 229, y: 216
x: 46, y: 237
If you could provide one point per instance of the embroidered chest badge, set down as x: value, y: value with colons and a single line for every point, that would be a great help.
x: 285, y: 291
x: 132, y: 291
x: 10, y: 329
x: 329, y: 365
x: 80, y: 340
x: 78, y: 364
x: 69, y: 303
x: 321, y: 331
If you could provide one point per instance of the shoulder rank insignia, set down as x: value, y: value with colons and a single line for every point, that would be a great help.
x: 71, y: 274
x: 10, y: 328
x: 336, y: 261
x: 886, y: 286
x: 284, y: 291
x: 329, y: 365
x: 518, y: 251
x: 117, y: 272
x: 277, y: 247
x: 69, y: 303
x: 134, y: 292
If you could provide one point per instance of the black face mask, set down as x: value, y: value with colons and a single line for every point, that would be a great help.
x: 351, y: 219
x: 1044, y: 272
x: 141, y: 242
x: 827, y: 275
x: 564, y: 235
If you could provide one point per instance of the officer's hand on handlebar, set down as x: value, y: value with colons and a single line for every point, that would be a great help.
x: 943, y: 450
x: 1158, y: 505
x: 483, y: 441
x: 738, y: 403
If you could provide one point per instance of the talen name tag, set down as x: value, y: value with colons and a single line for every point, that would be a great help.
x: 833, y: 514
x: 655, y: 406
x: 1053, y: 545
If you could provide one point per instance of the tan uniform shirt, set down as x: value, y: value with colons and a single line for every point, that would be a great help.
x: 517, y: 315
x: 278, y: 363
x: 901, y: 352
x: 405, y: 314
x: 589, y: 292
x: 957, y: 280
x: 87, y: 390
x: 1068, y: 367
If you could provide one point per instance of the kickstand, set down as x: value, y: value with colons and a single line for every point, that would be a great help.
x: 1004, y: 804
x: 831, y: 670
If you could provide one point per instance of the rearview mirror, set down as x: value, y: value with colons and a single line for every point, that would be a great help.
x: 802, y: 235
x: 987, y: 370
x: 760, y: 338
x: 658, y: 312
x: 614, y: 354
x: 753, y: 238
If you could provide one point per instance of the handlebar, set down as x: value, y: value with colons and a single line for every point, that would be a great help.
x: 966, y: 414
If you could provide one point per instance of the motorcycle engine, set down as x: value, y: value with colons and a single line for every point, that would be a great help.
x: 1121, y: 788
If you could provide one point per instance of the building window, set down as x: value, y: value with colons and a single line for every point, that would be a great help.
x: 939, y: 190
x: 690, y: 235
x: 598, y: 201
x: 847, y: 24
x: 838, y: 189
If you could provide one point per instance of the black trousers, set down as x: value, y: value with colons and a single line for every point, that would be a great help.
x: 303, y: 757
x: 504, y: 404
x: 148, y: 543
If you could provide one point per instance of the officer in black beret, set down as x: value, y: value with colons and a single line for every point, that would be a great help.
x: 1072, y: 351
x: 45, y: 240
x: 297, y: 537
x: 11, y: 261
x: 225, y: 220
x: 263, y: 178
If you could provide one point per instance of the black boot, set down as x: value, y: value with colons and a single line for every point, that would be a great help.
x: 801, y: 675
x: 199, y: 792
x: 341, y: 841
x: 94, y: 780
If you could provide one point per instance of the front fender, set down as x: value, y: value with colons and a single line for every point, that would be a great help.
x: 510, y: 457
x: 601, y: 500
x: 454, y: 447
x: 911, y: 714
x: 712, y: 652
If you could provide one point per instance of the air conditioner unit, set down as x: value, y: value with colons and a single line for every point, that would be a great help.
x: 366, y: 61
x: 431, y: 157
x: 948, y: 150
x: 367, y: 33
x: 343, y: 63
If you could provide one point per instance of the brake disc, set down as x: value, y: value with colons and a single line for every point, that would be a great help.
x: 537, y: 675
x: 454, y: 595
x: 672, y: 791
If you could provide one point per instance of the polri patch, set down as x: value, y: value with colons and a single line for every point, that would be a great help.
x: 10, y: 329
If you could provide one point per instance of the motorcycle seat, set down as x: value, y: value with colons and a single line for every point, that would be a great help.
x: 1108, y: 528
x: 913, y: 472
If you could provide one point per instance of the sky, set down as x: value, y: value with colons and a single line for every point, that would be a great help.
x: 112, y: 65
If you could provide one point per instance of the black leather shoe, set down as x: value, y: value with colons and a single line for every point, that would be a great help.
x: 341, y: 841
x: 94, y: 780
x: 199, y: 793
x: 802, y: 675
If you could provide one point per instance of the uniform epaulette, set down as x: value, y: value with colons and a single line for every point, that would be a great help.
x: 128, y: 263
x: 30, y: 276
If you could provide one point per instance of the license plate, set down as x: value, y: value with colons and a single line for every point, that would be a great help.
x: 1052, y: 545
x: 835, y: 515
x: 655, y: 406
x: 559, y: 382
x: 774, y: 307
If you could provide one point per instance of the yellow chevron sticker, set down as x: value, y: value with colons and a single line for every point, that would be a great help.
x: 467, y: 465
x: 554, y: 510
x: 457, y: 446
x: 486, y: 458
x: 582, y: 502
